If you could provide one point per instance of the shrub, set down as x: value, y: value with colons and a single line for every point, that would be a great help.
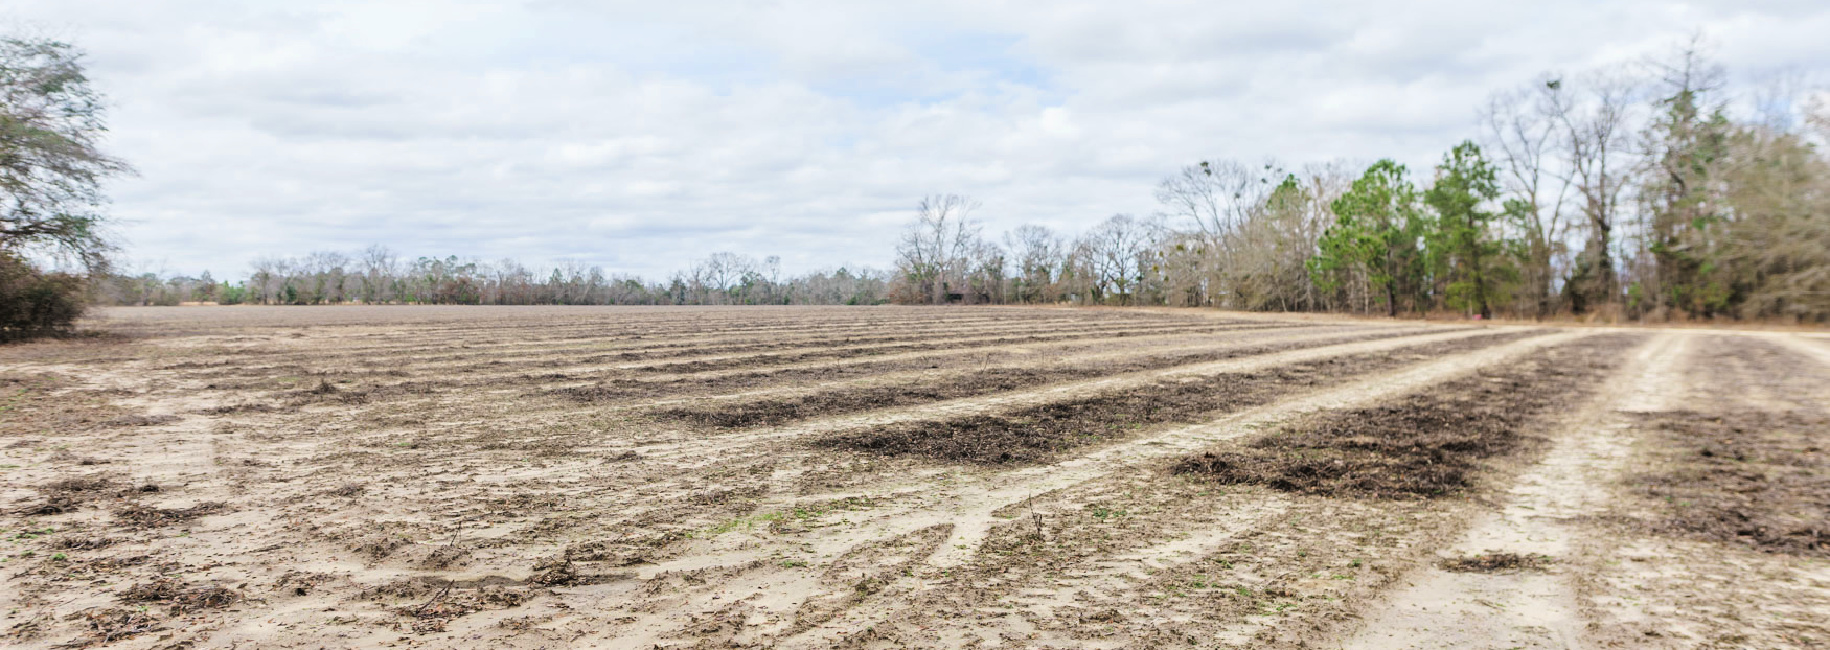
x: 34, y: 303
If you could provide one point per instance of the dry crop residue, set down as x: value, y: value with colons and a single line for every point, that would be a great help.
x: 1717, y: 535
x: 1427, y: 445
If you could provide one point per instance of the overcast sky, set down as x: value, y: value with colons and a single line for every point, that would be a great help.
x: 641, y: 135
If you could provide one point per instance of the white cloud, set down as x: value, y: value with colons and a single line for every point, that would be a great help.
x: 641, y: 135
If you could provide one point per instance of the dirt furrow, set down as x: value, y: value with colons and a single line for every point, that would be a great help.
x: 688, y: 363
x: 716, y: 390
x: 972, y: 508
x: 454, y: 396
x: 1057, y: 393
x: 638, y: 348
x: 414, y: 344
x: 903, y: 389
x: 1516, y: 602
x: 1714, y: 537
x: 725, y: 362
x: 1076, y: 596
x: 1075, y: 347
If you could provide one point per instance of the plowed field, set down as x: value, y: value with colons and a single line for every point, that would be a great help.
x: 906, y: 477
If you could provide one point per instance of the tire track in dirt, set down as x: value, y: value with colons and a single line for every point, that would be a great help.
x: 972, y: 509
x: 1086, y: 588
x: 1443, y: 609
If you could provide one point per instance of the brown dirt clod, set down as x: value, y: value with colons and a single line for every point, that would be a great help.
x: 144, y: 516
x: 1496, y: 562
x: 181, y: 597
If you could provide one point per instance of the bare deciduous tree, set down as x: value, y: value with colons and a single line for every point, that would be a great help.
x: 1039, y: 255
x: 1522, y: 134
x: 934, y: 254
x: 1117, y: 257
x: 1218, y: 198
x: 1593, y: 119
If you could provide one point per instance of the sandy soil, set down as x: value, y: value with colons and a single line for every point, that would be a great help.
x: 906, y: 477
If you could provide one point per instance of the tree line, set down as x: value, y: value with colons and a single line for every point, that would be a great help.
x: 1637, y: 192
x: 378, y: 275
